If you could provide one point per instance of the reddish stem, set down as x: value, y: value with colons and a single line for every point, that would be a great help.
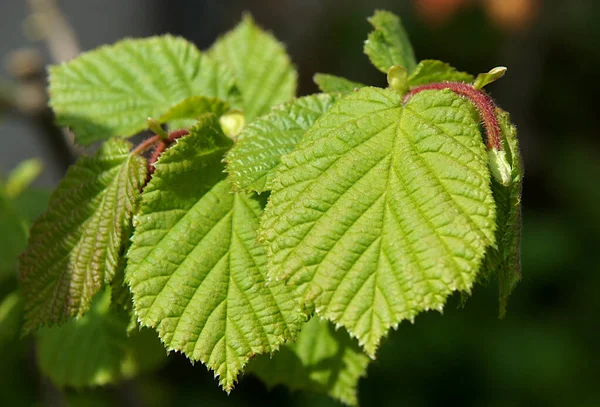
x: 162, y: 146
x: 484, y: 104
x: 144, y: 145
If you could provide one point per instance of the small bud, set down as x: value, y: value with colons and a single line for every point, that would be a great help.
x: 484, y: 79
x: 397, y: 78
x: 233, y: 123
x: 499, y: 166
x: 156, y: 128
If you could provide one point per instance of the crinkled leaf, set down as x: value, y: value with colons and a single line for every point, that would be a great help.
x: 186, y: 113
x: 252, y: 162
x: 431, y: 71
x: 388, y: 44
x: 263, y: 71
x: 322, y: 360
x: 112, y: 90
x: 382, y: 210
x: 95, y: 349
x: 335, y: 84
x: 504, y: 261
x: 74, y: 247
x: 195, y: 270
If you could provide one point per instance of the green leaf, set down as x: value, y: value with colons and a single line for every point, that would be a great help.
x: 484, y: 79
x: 431, y: 71
x: 383, y: 210
x: 13, y: 237
x: 195, y: 270
x: 335, y: 84
x: 264, y: 73
x: 253, y: 160
x: 112, y: 90
x: 388, y: 44
x: 11, y: 316
x: 504, y: 261
x: 22, y: 176
x: 74, y: 247
x: 186, y: 113
x: 95, y: 349
x: 322, y: 360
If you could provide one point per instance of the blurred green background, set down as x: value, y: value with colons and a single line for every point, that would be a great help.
x: 543, y: 354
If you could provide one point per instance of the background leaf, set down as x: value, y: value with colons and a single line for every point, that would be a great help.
x: 388, y: 44
x: 112, y: 90
x: 383, y: 210
x: 195, y: 270
x: 95, y: 349
x: 322, y: 360
x: 252, y: 162
x: 74, y: 247
x: 263, y: 71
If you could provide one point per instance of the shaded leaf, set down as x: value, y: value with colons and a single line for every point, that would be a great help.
x: 252, y: 162
x: 186, y: 113
x: 75, y: 246
x: 263, y: 71
x: 383, y: 210
x: 195, y: 270
x: 335, y: 84
x: 322, y: 360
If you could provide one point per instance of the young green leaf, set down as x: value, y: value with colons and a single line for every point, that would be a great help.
x: 186, y: 113
x: 22, y: 176
x: 432, y: 71
x: 112, y: 90
x: 11, y: 316
x: 388, y: 44
x: 74, y: 248
x: 504, y: 261
x: 383, y: 210
x: 253, y: 160
x: 484, y: 79
x: 13, y: 238
x: 263, y: 71
x: 95, y: 349
x: 195, y: 270
x: 335, y: 84
x: 322, y: 360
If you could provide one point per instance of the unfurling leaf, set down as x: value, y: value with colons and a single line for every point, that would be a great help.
x: 322, y: 360
x: 252, y: 162
x: 195, y: 270
x: 383, y: 210
x: 263, y: 71
x: 112, y: 90
x: 74, y: 248
x: 388, y: 44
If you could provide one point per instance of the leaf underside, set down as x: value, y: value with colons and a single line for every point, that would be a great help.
x: 112, y: 90
x: 388, y: 44
x: 383, y: 210
x: 95, y: 349
x: 253, y: 160
x: 74, y: 248
x: 263, y: 71
x: 195, y: 270
x: 322, y: 360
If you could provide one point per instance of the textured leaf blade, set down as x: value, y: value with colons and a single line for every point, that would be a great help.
x: 322, y: 360
x: 252, y: 162
x: 186, y: 113
x: 75, y: 246
x: 388, y: 44
x: 264, y: 73
x: 504, y: 261
x: 195, y: 270
x: 95, y: 349
x: 431, y: 71
x: 112, y: 90
x: 382, y: 210
x: 335, y: 84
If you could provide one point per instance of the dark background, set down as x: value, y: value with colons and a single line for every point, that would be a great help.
x: 545, y: 353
